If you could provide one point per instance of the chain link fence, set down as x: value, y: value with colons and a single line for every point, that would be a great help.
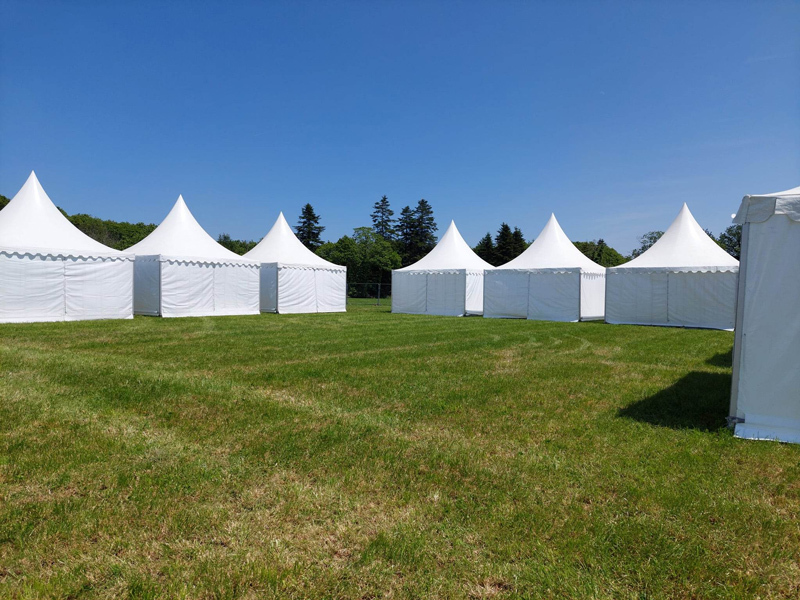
x: 377, y: 294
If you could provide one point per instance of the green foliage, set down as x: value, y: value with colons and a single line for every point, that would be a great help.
x: 646, y: 242
x: 240, y: 247
x: 369, y: 258
x: 115, y: 234
x: 599, y: 252
x: 485, y: 249
x: 308, y: 228
x: 416, y: 232
x: 3, y: 202
x: 507, y: 245
x: 383, y: 219
x: 731, y: 241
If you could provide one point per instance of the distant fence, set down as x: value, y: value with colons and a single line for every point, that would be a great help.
x: 379, y: 294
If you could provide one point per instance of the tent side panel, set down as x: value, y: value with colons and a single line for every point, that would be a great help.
x: 474, y: 292
x: 31, y: 288
x: 636, y: 298
x: 98, y: 288
x: 768, y: 377
x: 187, y: 289
x: 236, y: 290
x: 147, y: 286
x: 554, y: 296
x: 268, y: 276
x: 703, y: 299
x: 505, y: 294
x: 296, y: 290
x: 593, y: 296
x: 409, y: 292
x: 331, y: 289
x: 447, y: 293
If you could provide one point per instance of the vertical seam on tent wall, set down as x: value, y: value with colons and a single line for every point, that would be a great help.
x: 426, y: 292
x: 738, y: 324
x: 580, y: 300
x: 528, y: 297
x: 64, y: 283
x: 316, y: 289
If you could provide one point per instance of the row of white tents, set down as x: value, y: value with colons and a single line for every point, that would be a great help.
x: 685, y: 279
x: 51, y: 271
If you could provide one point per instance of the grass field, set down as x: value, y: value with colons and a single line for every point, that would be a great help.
x: 371, y: 455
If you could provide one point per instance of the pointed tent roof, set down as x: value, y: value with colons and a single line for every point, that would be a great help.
x: 281, y: 245
x: 32, y: 223
x: 553, y: 250
x: 684, y: 244
x: 180, y: 235
x: 758, y: 208
x: 452, y: 252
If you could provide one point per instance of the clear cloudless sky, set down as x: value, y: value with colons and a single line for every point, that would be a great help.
x: 610, y: 114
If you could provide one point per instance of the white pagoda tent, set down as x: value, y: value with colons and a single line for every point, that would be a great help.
x: 447, y: 281
x: 551, y: 281
x: 765, y: 395
x: 181, y: 271
x: 52, y: 271
x: 293, y: 278
x: 684, y: 280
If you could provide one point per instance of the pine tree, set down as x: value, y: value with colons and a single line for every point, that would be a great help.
x: 518, y: 243
x: 406, y: 226
x: 308, y: 228
x: 485, y: 249
x: 503, y: 245
x: 382, y: 220
x: 425, y: 227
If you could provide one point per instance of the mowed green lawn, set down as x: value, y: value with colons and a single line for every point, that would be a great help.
x: 369, y: 455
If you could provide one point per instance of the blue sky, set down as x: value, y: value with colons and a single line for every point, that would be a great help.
x: 608, y: 114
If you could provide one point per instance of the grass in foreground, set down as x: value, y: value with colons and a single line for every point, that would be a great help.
x: 369, y: 454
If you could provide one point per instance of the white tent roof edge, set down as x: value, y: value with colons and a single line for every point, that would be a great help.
x: 756, y: 208
x: 31, y: 224
x: 451, y: 253
x: 282, y: 246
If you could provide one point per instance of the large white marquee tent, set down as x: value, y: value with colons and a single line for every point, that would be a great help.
x: 684, y: 280
x: 51, y: 271
x: 447, y: 281
x: 765, y: 396
x: 293, y: 278
x: 180, y: 271
x: 551, y: 281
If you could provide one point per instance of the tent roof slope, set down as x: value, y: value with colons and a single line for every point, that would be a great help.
x: 31, y: 223
x: 760, y: 207
x: 552, y: 249
x: 683, y: 245
x: 451, y: 253
x: 180, y: 235
x: 281, y: 245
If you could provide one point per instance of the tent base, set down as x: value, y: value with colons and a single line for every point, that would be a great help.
x: 669, y: 325
x: 767, y: 432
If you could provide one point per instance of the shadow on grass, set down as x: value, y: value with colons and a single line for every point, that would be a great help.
x: 723, y: 359
x: 697, y: 401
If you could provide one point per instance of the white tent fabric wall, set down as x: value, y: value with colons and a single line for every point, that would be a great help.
x: 51, y: 271
x: 293, y: 278
x: 765, y: 394
x: 448, y: 281
x: 684, y: 280
x: 551, y: 281
x: 181, y: 271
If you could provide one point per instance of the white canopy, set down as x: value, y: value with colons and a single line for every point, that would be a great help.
x: 451, y: 253
x: 759, y: 208
x: 52, y: 271
x: 684, y: 280
x: 180, y: 235
x: 281, y: 245
x: 766, y: 380
x: 553, y: 250
x: 31, y: 223
x: 684, y: 246
x: 551, y: 280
